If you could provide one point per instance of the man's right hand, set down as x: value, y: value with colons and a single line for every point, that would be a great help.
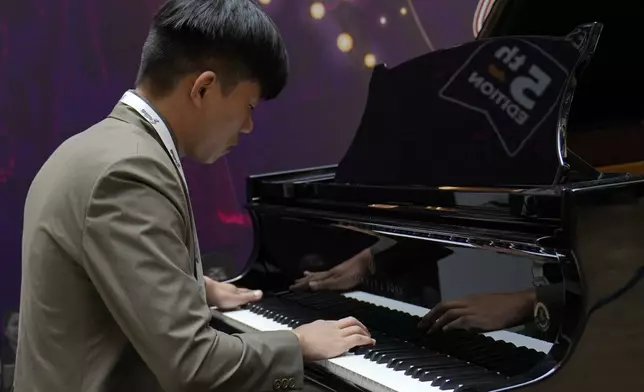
x: 327, y: 339
x: 343, y: 276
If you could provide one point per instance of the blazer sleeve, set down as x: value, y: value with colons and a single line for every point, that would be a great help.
x: 135, y: 254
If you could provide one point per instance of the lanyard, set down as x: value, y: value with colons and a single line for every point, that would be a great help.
x: 151, y: 116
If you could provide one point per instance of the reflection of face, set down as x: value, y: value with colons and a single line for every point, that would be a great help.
x: 216, y: 273
x: 11, y: 330
x: 221, y: 118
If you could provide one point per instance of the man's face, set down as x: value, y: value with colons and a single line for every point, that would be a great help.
x: 220, y: 118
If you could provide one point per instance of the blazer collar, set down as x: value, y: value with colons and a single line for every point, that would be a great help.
x: 126, y: 114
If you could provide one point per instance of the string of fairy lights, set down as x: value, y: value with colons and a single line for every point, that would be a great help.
x: 344, y: 40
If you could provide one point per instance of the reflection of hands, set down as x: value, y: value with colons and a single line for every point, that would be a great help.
x: 227, y: 296
x: 483, y: 312
x: 344, y: 276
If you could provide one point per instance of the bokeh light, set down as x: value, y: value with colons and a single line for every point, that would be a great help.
x: 345, y: 42
x: 318, y: 10
x: 370, y: 60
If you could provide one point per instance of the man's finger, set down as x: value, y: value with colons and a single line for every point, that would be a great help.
x: 319, y: 275
x: 299, y: 286
x: 349, y: 322
x: 304, y: 282
x: 465, y: 322
x: 354, y: 330
x: 250, y: 296
x: 301, y: 283
x: 448, y: 317
x: 326, y: 283
x: 430, y: 318
x: 437, y: 311
x: 359, y: 340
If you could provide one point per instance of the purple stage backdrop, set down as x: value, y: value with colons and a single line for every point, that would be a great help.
x: 65, y: 63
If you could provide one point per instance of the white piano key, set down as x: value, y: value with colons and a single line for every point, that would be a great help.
x: 242, y: 319
x: 373, y: 376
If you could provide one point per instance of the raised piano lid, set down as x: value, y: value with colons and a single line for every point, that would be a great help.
x: 606, y: 120
x: 489, y: 112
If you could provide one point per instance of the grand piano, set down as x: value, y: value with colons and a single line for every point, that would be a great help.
x: 460, y: 183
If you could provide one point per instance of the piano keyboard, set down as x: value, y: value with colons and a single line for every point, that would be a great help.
x: 402, y: 359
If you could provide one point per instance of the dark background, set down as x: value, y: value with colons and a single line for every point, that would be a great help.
x: 65, y: 63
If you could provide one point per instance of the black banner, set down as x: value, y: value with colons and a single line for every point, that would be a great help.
x: 513, y: 83
x: 486, y: 113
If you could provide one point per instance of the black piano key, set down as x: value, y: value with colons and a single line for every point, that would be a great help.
x: 400, y: 347
x: 398, y: 362
x: 410, y: 365
x: 433, y: 374
x: 420, y: 370
x: 479, y: 355
x: 383, y: 357
x: 280, y: 318
x: 474, y: 380
x: 380, y: 342
x: 457, y: 374
x: 384, y: 347
x: 296, y: 323
x: 472, y: 386
x: 436, y: 376
x: 390, y: 356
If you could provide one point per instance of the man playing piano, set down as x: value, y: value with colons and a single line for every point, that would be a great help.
x: 113, y: 294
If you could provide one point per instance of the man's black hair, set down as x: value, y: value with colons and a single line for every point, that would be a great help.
x: 234, y: 38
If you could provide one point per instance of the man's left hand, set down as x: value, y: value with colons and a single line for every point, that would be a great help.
x: 226, y: 296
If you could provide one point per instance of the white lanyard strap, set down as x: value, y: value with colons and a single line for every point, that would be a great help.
x: 151, y: 116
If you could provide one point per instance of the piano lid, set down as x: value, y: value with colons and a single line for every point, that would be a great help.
x: 605, y: 125
x: 486, y: 113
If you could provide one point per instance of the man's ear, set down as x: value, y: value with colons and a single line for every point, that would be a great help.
x: 200, y: 87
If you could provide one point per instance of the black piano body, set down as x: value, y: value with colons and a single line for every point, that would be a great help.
x: 433, y: 232
x: 588, y: 234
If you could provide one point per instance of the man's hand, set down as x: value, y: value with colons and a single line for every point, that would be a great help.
x: 328, y: 339
x: 227, y: 296
x: 481, y: 312
x: 344, y: 276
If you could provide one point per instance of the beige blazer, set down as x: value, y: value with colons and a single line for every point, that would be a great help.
x: 109, y: 301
